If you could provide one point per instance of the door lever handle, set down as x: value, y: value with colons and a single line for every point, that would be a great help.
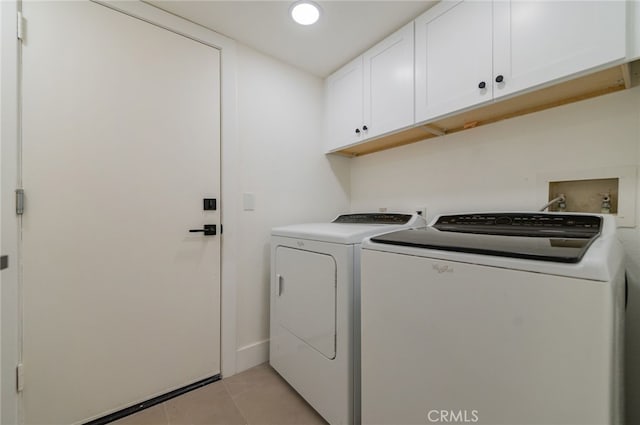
x: 209, y: 230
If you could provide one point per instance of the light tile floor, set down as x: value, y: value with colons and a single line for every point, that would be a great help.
x: 256, y: 396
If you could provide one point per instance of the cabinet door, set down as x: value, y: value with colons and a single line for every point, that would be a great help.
x: 388, y: 84
x: 453, y: 58
x: 633, y: 29
x: 344, y: 106
x: 540, y: 41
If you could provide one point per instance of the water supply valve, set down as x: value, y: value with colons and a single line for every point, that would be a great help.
x: 605, y: 207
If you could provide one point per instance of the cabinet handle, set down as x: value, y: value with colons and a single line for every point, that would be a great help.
x: 365, y: 128
x: 482, y: 85
x: 357, y: 131
x: 499, y: 79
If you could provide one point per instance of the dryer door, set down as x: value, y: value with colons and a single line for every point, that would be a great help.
x: 306, y: 297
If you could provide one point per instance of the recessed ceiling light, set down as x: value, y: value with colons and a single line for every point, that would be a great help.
x: 305, y: 12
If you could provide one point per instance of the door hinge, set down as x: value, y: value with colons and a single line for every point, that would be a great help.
x: 19, y: 201
x: 20, y: 26
x: 19, y: 377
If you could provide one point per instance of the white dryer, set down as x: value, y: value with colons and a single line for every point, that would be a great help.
x: 494, y: 318
x: 315, y: 284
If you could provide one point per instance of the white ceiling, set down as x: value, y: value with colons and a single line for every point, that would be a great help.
x: 346, y: 28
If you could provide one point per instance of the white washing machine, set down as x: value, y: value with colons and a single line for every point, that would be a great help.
x: 315, y: 280
x: 494, y: 318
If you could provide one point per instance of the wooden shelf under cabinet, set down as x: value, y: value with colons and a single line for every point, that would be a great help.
x: 585, y: 87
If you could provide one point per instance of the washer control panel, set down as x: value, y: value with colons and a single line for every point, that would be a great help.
x: 530, y: 224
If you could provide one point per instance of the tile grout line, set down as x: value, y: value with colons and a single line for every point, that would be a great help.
x: 244, y: 418
x: 166, y: 414
x: 244, y: 390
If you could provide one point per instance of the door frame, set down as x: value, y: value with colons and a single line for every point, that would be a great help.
x: 10, y: 155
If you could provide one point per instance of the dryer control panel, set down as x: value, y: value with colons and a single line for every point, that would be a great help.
x: 374, y: 218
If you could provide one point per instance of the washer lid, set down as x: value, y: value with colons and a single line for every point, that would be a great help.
x: 557, y: 249
x: 344, y: 230
x: 562, y: 238
x: 602, y: 260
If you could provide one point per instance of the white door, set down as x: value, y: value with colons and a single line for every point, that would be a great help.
x: 388, y: 84
x: 345, y: 106
x: 540, y: 41
x: 121, y: 128
x: 453, y: 58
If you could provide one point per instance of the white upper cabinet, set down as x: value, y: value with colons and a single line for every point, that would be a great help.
x: 633, y: 30
x: 454, y: 66
x: 470, y: 52
x: 344, y: 90
x: 537, y: 42
x: 373, y: 94
x: 388, y: 82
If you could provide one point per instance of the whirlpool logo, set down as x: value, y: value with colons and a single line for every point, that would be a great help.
x: 452, y: 416
x: 442, y: 268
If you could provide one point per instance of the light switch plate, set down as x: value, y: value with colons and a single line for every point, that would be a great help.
x: 248, y: 201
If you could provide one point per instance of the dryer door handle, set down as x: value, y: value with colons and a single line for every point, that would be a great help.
x: 280, y: 283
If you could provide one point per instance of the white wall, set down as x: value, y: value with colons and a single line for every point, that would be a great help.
x: 282, y: 162
x: 0, y: 240
x: 9, y: 354
x: 496, y: 167
x: 631, y: 240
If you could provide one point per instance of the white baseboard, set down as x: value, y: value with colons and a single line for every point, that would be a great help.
x: 252, y: 355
